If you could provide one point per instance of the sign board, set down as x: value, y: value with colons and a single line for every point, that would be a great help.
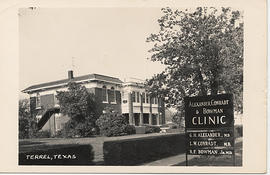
x: 209, y: 111
x: 209, y: 122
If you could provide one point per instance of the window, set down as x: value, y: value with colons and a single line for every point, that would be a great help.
x: 38, y: 103
x: 143, y: 97
x: 112, y: 95
x: 104, y: 94
x: 147, y: 98
x: 138, y: 97
x: 155, y: 100
x: 133, y: 96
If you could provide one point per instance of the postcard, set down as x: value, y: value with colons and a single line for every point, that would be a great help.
x: 133, y: 86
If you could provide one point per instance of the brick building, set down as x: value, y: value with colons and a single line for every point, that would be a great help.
x: 129, y: 98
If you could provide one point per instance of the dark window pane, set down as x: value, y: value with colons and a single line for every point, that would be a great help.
x: 111, y: 94
x: 104, y: 93
x: 143, y: 97
x: 138, y: 97
x: 147, y: 98
x: 133, y: 96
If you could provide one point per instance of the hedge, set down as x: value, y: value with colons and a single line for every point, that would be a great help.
x: 152, y: 129
x: 112, y: 123
x: 140, y: 129
x: 139, y: 150
x: 58, y: 155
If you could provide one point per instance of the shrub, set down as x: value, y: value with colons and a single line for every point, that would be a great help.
x: 112, y: 123
x: 178, y: 119
x: 23, y: 128
x: 26, y: 120
x: 130, y: 129
x: 140, y: 129
x: 152, y: 129
x: 42, y: 134
x: 81, y: 107
x: 135, y: 151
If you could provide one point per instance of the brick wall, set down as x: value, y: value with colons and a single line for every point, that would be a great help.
x: 117, y: 106
x: 47, y: 101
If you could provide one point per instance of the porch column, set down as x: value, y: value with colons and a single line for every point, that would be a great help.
x: 162, y: 106
x: 158, y: 116
x: 150, y: 112
x: 130, y: 109
x: 141, y: 110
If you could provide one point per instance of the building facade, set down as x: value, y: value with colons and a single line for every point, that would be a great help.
x: 128, y: 98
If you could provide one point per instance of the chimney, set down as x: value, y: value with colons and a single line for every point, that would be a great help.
x: 70, y: 74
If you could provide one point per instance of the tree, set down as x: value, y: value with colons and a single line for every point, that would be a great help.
x: 26, y: 122
x: 111, y: 123
x: 203, y: 53
x: 80, y: 106
x: 178, y: 118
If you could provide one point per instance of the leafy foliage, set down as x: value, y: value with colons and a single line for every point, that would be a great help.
x: 80, y: 106
x: 112, y: 123
x: 178, y: 118
x: 42, y: 134
x: 26, y: 121
x: 151, y: 129
x: 203, y: 53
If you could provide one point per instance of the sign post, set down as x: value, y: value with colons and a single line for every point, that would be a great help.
x: 209, y: 125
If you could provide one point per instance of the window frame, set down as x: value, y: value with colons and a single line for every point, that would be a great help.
x: 147, y: 97
x: 38, y: 101
x: 143, y: 97
x: 114, y: 95
x: 133, y: 97
x: 106, y: 94
x: 137, y: 97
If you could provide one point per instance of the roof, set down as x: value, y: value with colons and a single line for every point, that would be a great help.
x: 92, y: 77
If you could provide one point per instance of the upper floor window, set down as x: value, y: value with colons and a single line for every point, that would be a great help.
x: 155, y: 100
x: 104, y: 95
x: 112, y: 97
x: 38, y: 103
x: 147, y: 98
x: 138, y: 97
x: 133, y: 96
x: 143, y: 97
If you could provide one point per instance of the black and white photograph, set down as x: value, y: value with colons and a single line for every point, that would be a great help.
x: 106, y: 86
x: 134, y: 87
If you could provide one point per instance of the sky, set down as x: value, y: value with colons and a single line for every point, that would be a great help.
x: 107, y: 41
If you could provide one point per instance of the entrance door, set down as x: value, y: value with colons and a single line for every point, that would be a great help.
x: 146, y: 118
x: 154, y: 116
x: 137, y: 119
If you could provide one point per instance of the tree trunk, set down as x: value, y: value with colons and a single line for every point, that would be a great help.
x: 214, y: 84
x: 214, y: 87
x: 199, y: 76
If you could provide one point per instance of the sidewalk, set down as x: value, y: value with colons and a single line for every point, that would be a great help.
x: 169, y: 161
x: 173, y: 160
